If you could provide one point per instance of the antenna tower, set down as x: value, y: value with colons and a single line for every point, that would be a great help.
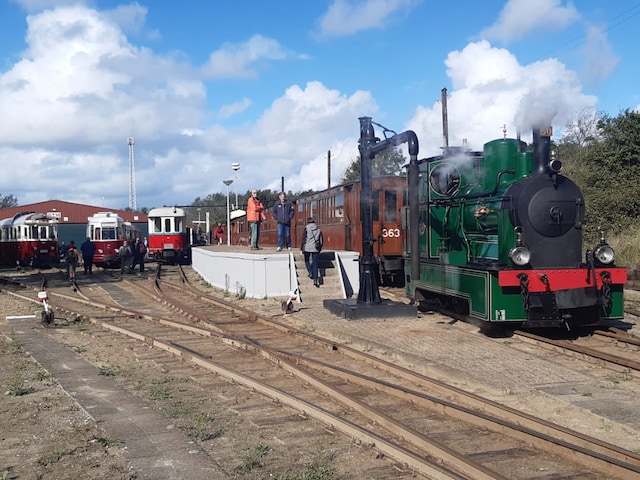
x: 132, y: 175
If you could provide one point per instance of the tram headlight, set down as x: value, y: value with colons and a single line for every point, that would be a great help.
x: 520, y: 255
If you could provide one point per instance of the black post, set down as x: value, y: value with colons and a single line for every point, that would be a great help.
x: 369, y: 146
x: 369, y: 292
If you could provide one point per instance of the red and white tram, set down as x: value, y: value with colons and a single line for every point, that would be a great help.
x: 109, y: 232
x: 29, y: 239
x: 169, y: 235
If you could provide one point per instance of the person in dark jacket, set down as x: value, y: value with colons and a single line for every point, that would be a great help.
x: 312, y: 242
x: 283, y: 214
x: 73, y: 259
x: 139, y: 251
x: 88, y: 249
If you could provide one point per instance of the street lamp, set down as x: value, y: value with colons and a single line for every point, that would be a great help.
x: 227, y: 183
x: 199, y: 229
x: 236, y: 167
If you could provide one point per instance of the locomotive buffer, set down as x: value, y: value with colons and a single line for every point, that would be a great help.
x: 369, y: 304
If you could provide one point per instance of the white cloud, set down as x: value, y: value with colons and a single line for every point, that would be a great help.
x: 600, y: 60
x: 82, y: 89
x: 346, y: 17
x: 235, y: 60
x: 230, y: 110
x: 519, y: 18
x: 492, y: 90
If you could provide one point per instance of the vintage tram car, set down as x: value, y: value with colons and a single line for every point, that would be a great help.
x: 29, y: 239
x: 109, y: 232
x: 337, y: 212
x: 499, y: 237
x: 169, y: 235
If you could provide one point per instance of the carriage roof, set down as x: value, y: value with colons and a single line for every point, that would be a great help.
x: 166, y: 212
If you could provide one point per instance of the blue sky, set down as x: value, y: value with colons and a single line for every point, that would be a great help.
x: 275, y: 85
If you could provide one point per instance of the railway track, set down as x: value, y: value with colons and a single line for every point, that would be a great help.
x: 613, y: 348
x: 365, y: 398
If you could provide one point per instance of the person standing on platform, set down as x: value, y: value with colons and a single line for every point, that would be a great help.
x: 88, y: 249
x: 219, y: 234
x: 283, y: 214
x: 312, y: 242
x: 255, y: 216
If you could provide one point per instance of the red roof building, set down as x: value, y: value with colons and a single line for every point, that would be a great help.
x: 71, y: 213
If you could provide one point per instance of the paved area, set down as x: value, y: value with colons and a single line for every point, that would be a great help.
x: 156, y: 450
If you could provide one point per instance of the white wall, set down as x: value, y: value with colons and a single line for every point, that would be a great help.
x: 260, y: 275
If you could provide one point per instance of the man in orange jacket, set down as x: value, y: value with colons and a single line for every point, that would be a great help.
x: 255, y: 215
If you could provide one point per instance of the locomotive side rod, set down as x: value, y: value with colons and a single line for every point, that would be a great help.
x: 369, y: 146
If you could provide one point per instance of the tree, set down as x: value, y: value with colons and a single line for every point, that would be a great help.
x: 8, y: 201
x: 609, y: 176
x: 387, y: 162
x: 583, y: 129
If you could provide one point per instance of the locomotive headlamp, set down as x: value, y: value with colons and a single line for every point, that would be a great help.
x: 603, y: 253
x: 555, y: 164
x: 520, y: 254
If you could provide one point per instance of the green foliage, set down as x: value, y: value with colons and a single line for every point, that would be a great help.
x: 255, y: 457
x: 387, y: 162
x: 608, y: 172
x: 7, y: 201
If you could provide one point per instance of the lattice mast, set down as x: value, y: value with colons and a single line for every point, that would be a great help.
x: 132, y: 175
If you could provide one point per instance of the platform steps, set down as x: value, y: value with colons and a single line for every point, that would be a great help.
x: 329, y: 276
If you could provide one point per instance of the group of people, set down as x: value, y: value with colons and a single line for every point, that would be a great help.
x: 131, y: 255
x: 283, y: 212
x: 74, y: 257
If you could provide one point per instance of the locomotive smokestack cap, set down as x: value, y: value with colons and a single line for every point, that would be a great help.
x: 541, y: 149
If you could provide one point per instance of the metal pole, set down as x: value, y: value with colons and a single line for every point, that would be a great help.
x: 228, y: 220
x: 235, y: 167
x: 227, y: 183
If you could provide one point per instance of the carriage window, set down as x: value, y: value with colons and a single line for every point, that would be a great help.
x: 178, y: 224
x: 445, y: 179
x: 109, y: 233
x: 96, y: 234
x: 167, y: 224
x: 390, y: 210
x: 43, y: 233
x: 339, y: 206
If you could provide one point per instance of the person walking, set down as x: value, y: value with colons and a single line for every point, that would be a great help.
x: 125, y: 254
x: 219, y: 234
x: 312, y: 242
x: 283, y: 214
x: 73, y: 259
x: 88, y: 249
x: 255, y: 215
x: 139, y: 251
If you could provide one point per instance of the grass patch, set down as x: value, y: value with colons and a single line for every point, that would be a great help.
x: 109, y: 371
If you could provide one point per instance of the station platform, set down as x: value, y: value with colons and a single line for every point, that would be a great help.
x: 268, y: 273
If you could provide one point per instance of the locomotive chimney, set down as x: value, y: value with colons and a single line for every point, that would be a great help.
x: 445, y: 119
x: 541, y: 149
